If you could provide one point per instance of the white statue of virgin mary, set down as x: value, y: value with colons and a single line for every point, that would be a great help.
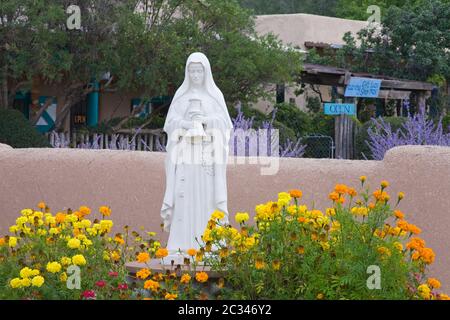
x: 198, y: 127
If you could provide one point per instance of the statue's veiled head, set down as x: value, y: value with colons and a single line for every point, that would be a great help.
x: 196, y: 74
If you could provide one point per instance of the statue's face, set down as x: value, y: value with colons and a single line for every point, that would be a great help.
x: 196, y: 73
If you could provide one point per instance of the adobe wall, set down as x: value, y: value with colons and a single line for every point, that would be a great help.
x: 132, y: 183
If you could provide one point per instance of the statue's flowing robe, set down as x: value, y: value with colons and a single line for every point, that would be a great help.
x: 195, y: 190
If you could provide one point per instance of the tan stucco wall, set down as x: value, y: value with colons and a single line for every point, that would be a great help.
x: 132, y: 183
x: 298, y: 28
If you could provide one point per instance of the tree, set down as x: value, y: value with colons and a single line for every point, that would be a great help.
x: 144, y: 45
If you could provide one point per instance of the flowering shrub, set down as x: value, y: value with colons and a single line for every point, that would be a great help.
x: 417, y: 130
x: 41, y: 257
x: 296, y: 252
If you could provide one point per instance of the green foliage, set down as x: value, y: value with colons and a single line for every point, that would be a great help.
x: 16, y: 131
x: 293, y: 252
x: 446, y: 123
x: 362, y: 150
x: 292, y: 117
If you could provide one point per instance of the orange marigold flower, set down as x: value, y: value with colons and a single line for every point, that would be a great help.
x: 427, y: 255
x: 399, y: 215
x: 119, y: 240
x: 371, y: 205
x: 442, y: 296
x: 185, y: 278
x: 60, y: 217
x: 161, y: 253
x: 301, y: 219
x: 333, y: 196
x: 151, y: 285
x: 341, y: 188
x: 403, y: 225
x: 301, y: 250
x: 143, y: 273
x: 41, y: 205
x: 295, y: 193
x: 415, y: 244
x: 352, y: 192
x: 192, y: 252
x: 143, y: 257
x: 105, y: 211
x: 201, y: 276
x: 434, y: 283
x: 2, y: 241
x: 414, y: 229
x: 170, y: 296
x: 84, y: 210
x: 259, y: 264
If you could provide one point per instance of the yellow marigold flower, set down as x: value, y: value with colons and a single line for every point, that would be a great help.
x: 201, y: 276
x: 53, y: 267
x: 65, y: 261
x: 151, y: 285
x: 26, y: 212
x: 74, y: 243
x: 106, y: 225
x: 362, y: 179
x: 424, y: 291
x: 325, y: 245
x: 54, y: 231
x: 192, y: 252
x: 241, y: 217
x: 37, y: 281
x: 320, y: 296
x: 301, y: 250
x: 161, y: 253
x: 283, y: 198
x: 78, y: 260
x: 434, y: 283
x: 398, y: 246
x: 15, y: 283
x: 218, y: 215
x: 105, y: 211
x: 41, y: 205
x: 384, y: 184
x: 384, y: 251
x: 400, y: 195
x: 295, y: 193
x: 250, y: 242
x: 13, y: 229
x: 63, y: 277
x: 443, y: 296
x: 25, y: 282
x: 276, y: 264
x: 115, y: 256
x: 143, y: 257
x: 170, y: 296
x: 185, y: 278
x: 12, y: 242
x: 143, y: 273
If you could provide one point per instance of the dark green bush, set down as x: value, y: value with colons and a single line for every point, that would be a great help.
x: 446, y: 123
x: 361, y: 147
x: 16, y: 131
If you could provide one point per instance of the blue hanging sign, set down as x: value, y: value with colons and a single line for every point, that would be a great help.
x: 363, y: 87
x: 339, y: 108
